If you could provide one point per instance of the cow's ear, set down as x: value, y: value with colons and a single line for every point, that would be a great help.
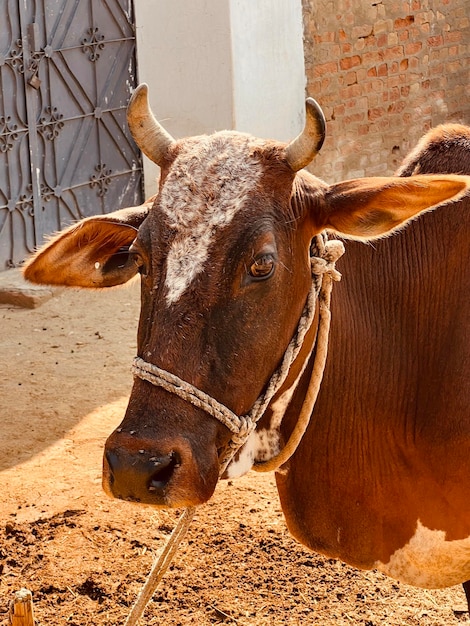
x: 91, y: 253
x: 371, y: 207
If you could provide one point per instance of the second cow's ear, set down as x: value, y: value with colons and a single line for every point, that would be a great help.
x: 92, y: 253
x: 367, y: 208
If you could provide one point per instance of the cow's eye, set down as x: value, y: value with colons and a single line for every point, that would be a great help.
x: 138, y: 260
x: 141, y: 266
x: 262, y: 267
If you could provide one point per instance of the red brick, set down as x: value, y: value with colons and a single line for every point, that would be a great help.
x: 376, y: 113
x: 353, y: 119
x: 436, y: 41
x: 327, y: 37
x: 403, y: 22
x: 364, y: 30
x: 374, y: 86
x: 414, y: 47
x: 453, y: 36
x: 453, y: 67
x: 372, y: 58
x: 350, y: 78
x: 372, y: 72
x: 405, y: 91
x: 349, y: 62
x: 361, y: 74
x: 360, y: 44
x: 394, y: 52
x: 439, y: 94
x: 384, y: 124
x: 397, y: 107
x: 334, y: 51
x: 350, y: 105
x: 370, y: 41
x: 353, y: 91
x: 382, y: 40
x: 382, y: 70
x: 314, y: 86
x: 325, y: 68
x: 339, y: 111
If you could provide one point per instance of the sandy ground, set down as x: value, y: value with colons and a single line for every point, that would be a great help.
x: 64, y: 387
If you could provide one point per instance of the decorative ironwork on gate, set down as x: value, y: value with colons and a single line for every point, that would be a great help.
x: 66, y: 72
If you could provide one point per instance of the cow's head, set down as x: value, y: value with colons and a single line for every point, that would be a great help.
x: 223, y: 254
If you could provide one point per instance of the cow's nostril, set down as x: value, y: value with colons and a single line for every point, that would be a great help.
x: 164, y: 468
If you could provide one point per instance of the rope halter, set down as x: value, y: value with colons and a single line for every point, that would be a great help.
x: 324, y: 255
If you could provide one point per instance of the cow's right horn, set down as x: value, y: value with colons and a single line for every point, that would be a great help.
x: 148, y: 134
x: 306, y: 146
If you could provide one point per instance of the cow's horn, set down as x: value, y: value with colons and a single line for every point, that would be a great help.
x: 306, y: 146
x: 148, y: 134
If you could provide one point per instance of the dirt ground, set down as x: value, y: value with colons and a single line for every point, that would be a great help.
x: 64, y: 385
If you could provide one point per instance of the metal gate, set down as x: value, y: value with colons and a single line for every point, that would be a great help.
x: 66, y: 71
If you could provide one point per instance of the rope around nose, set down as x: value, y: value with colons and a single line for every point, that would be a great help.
x: 323, y: 275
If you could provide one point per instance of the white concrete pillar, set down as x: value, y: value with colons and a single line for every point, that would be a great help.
x: 222, y: 64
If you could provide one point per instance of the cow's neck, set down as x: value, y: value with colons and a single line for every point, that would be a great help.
x: 381, y: 431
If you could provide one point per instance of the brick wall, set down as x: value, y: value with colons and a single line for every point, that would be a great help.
x: 384, y: 72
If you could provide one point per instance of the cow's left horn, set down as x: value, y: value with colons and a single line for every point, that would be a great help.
x: 306, y: 146
x: 148, y: 134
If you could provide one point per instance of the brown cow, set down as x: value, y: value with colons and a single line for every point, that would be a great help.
x: 381, y: 478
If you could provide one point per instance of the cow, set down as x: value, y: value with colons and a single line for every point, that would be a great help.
x: 381, y: 477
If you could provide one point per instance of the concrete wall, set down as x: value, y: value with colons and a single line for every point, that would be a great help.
x: 268, y: 67
x: 218, y: 64
x: 384, y: 73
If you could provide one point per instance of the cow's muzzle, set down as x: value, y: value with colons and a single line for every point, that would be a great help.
x: 144, y: 478
x: 135, y: 471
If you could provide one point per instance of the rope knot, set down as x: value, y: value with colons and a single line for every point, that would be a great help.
x: 246, y: 428
x: 325, y: 264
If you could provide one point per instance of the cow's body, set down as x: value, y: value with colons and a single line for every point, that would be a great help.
x: 381, y: 477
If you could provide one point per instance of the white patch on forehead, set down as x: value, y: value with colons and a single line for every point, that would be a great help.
x: 429, y: 561
x: 208, y: 183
